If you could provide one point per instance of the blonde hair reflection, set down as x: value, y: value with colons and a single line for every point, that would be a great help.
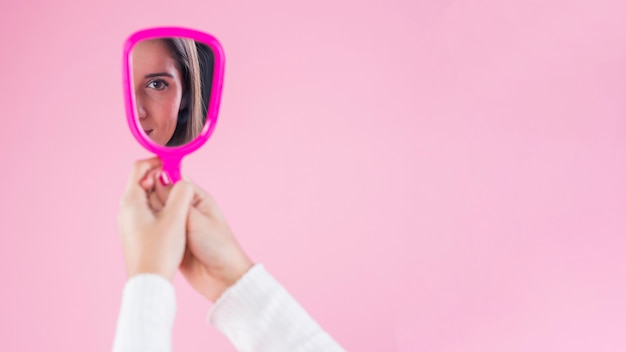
x: 190, y: 119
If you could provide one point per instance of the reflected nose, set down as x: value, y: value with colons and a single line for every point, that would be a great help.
x: 141, y: 112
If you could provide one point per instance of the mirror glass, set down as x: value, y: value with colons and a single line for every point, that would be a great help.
x: 171, y: 82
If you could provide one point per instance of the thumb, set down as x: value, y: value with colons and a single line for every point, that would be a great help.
x: 178, y: 202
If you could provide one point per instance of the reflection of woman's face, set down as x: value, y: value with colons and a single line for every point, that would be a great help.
x: 158, y: 89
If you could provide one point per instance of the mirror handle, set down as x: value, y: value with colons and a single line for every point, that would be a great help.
x: 171, y: 169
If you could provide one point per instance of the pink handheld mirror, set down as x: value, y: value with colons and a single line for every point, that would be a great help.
x: 172, y: 80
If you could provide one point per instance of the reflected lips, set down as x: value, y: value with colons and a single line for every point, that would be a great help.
x: 148, y: 131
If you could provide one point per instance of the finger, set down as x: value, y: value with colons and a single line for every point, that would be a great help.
x: 155, y: 202
x: 178, y: 203
x: 134, y: 192
x: 203, y: 201
x: 148, y: 182
x: 162, y: 190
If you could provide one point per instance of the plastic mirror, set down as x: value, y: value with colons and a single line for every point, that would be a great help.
x: 172, y: 81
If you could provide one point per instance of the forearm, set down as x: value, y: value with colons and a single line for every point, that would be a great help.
x: 146, y: 315
x: 258, y: 314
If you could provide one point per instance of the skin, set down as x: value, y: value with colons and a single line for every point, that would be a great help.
x: 152, y: 232
x: 158, y: 89
x: 154, y: 242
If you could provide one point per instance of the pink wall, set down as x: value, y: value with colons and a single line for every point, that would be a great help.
x: 421, y: 175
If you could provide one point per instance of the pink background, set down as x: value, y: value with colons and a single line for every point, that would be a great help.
x: 421, y: 175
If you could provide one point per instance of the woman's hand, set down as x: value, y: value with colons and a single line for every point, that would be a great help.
x: 213, y: 259
x: 153, y: 239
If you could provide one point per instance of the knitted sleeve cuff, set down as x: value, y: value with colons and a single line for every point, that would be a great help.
x: 146, y: 315
x: 258, y: 314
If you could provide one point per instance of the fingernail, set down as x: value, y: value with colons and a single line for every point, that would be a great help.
x: 165, y: 180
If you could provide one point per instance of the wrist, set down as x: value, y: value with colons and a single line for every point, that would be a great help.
x: 146, y: 268
x: 230, y: 277
x: 237, y: 271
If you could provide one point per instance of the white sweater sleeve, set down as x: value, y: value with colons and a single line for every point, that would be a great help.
x: 146, y: 315
x: 258, y: 314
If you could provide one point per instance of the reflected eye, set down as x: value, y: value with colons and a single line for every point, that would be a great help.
x: 157, y: 84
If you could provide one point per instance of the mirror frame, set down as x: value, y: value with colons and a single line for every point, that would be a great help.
x: 172, y: 156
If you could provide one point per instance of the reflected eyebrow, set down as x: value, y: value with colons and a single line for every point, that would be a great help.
x: 152, y: 75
